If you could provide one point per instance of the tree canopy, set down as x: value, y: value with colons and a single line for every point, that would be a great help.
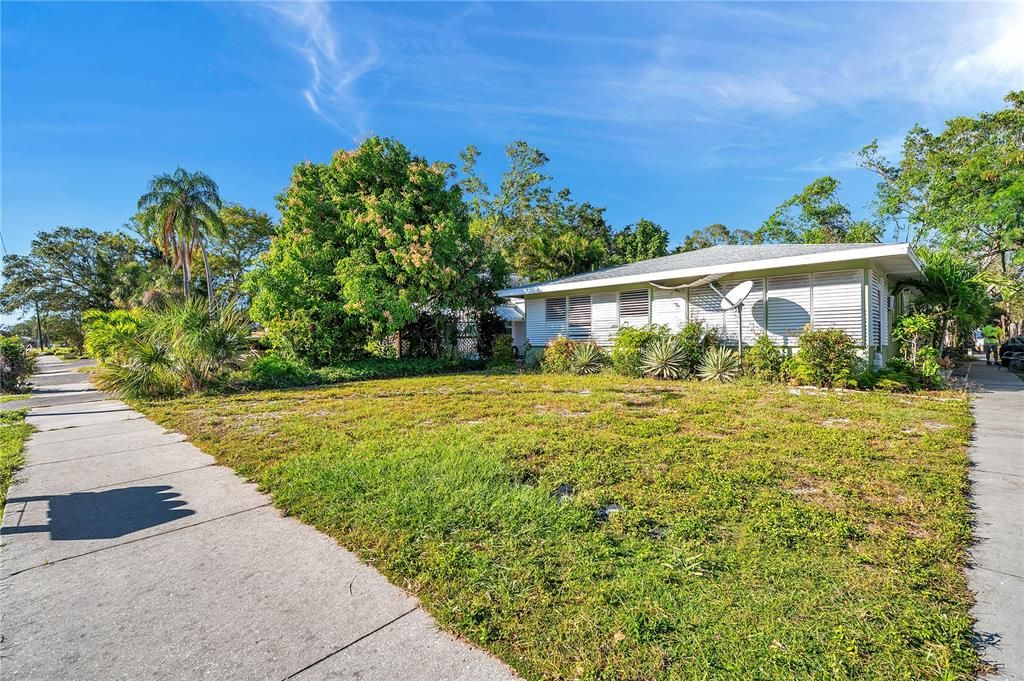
x: 815, y: 216
x: 366, y: 243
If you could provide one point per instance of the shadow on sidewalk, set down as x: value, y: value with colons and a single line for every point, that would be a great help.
x: 105, y: 515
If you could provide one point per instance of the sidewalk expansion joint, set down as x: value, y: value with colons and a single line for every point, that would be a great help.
x: 349, y: 644
x: 997, y: 572
x: 133, y: 541
x: 93, y: 456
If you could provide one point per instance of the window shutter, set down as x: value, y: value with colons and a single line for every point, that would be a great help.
x: 634, y: 308
x: 554, y: 309
x: 579, y: 317
x: 837, y: 302
x: 789, y: 307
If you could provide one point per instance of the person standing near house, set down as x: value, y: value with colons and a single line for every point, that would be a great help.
x: 992, y: 334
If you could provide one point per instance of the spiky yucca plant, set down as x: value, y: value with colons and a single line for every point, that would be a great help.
x: 719, y: 364
x: 664, y: 358
x: 586, y: 358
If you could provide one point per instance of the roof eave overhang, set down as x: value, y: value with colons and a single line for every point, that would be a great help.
x: 880, y: 251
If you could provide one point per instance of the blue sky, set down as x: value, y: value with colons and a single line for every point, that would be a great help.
x: 685, y: 114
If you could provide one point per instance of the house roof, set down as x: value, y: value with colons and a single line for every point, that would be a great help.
x: 725, y: 260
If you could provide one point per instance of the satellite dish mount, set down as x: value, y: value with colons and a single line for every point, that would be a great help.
x: 733, y: 300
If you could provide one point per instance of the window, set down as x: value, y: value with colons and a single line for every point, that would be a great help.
x: 634, y: 308
x: 554, y: 309
x: 579, y: 317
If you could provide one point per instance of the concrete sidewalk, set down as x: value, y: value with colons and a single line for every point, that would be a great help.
x: 996, y: 573
x: 128, y: 554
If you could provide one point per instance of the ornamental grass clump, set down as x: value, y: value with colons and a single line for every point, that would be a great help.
x: 664, y: 358
x: 719, y: 364
x: 586, y: 358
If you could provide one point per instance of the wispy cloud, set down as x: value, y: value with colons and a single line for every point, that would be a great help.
x: 335, y: 64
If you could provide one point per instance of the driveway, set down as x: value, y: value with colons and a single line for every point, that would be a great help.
x: 996, y: 573
x: 128, y: 554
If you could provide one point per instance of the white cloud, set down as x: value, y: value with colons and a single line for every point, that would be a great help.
x: 335, y: 65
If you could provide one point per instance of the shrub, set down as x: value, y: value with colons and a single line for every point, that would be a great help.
x: 694, y: 341
x: 764, y: 360
x: 664, y: 358
x: 630, y: 344
x: 558, y: 355
x: 16, y: 366
x: 912, y: 334
x: 827, y: 358
x: 719, y: 364
x: 274, y: 371
x: 533, y: 358
x: 503, y: 354
x: 586, y: 358
x: 181, y: 348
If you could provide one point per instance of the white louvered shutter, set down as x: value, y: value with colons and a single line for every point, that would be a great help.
x: 706, y: 308
x: 789, y: 307
x: 875, y: 301
x: 579, y: 317
x: 837, y: 302
x: 753, y: 314
x: 634, y: 308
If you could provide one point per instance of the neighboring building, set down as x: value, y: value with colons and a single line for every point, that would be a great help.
x: 843, y: 286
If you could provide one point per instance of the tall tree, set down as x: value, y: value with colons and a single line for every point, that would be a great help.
x: 247, y: 233
x: 182, y: 212
x: 816, y: 216
x: 962, y: 188
x: 640, y: 241
x: 716, y: 234
x: 366, y: 244
x: 67, y: 271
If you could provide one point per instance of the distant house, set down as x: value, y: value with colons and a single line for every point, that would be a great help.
x: 844, y: 286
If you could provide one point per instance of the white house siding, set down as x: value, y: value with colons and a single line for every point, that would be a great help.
x: 635, y: 307
x: 780, y: 305
x: 836, y: 302
x: 605, y: 317
x: 706, y: 308
x: 789, y: 307
x: 668, y: 308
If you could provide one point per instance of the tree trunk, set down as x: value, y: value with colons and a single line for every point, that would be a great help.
x: 209, y: 279
x: 186, y: 275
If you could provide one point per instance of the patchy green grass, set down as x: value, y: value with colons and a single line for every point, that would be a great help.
x: 762, y: 532
x: 13, y: 433
x: 11, y: 397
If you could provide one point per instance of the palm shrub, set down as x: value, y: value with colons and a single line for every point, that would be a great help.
x: 664, y: 358
x: 586, y: 358
x: 16, y: 365
x: 719, y: 364
x: 107, y: 332
x: 694, y: 340
x: 764, y: 360
x: 181, y: 348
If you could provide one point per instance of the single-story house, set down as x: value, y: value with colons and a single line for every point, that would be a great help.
x: 845, y: 286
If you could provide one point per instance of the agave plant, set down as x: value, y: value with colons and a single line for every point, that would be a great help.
x: 719, y: 364
x: 586, y: 358
x: 664, y: 358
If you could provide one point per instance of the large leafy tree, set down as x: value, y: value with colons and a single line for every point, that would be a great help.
x: 640, y: 241
x: 234, y: 251
x: 67, y: 271
x: 961, y: 188
x: 816, y: 216
x: 716, y: 234
x: 366, y: 244
x: 181, y: 212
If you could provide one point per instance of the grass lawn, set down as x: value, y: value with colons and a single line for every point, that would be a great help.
x: 11, y: 397
x: 13, y: 433
x: 761, y: 532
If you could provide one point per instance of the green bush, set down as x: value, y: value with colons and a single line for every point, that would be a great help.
x: 827, y: 358
x: 586, y: 358
x: 372, y: 369
x: 274, y: 371
x: 664, y: 358
x: 533, y: 358
x: 694, y: 341
x: 558, y: 355
x: 503, y: 354
x: 764, y: 360
x: 629, y: 347
x: 16, y: 366
x: 719, y: 364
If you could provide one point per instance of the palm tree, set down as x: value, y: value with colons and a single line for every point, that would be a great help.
x: 184, y: 210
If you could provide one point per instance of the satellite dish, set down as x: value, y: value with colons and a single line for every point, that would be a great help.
x: 735, y: 297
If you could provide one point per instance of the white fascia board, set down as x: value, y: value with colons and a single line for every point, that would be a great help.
x: 879, y: 251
